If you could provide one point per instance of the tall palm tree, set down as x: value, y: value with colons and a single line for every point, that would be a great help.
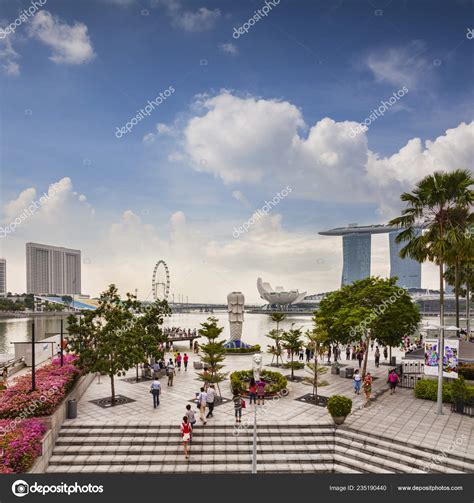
x: 432, y: 207
x: 277, y: 318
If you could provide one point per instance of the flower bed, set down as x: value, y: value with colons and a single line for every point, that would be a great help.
x: 52, y: 385
x: 275, y: 382
x: 20, y: 446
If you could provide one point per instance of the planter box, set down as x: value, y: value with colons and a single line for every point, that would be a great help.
x: 335, y: 370
x: 55, y: 422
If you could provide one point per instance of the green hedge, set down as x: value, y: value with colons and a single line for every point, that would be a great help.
x: 427, y: 389
x: 239, y: 381
x: 252, y: 349
x: 296, y: 365
x: 467, y: 371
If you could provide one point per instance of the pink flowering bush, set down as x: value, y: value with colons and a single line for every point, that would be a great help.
x: 53, y: 382
x: 20, y: 446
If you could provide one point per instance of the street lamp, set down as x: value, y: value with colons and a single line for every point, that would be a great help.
x: 33, y: 359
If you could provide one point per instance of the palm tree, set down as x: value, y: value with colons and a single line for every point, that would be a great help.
x: 432, y: 208
x: 277, y: 318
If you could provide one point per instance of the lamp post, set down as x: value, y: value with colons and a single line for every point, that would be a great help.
x: 33, y: 360
x: 61, y: 343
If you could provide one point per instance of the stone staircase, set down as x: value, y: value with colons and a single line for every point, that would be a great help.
x: 318, y: 448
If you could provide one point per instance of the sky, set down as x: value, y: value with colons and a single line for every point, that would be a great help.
x: 160, y: 126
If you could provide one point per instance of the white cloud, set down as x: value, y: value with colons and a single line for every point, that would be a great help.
x: 193, y: 21
x: 161, y: 130
x: 249, y: 140
x: 229, y: 48
x: 400, y: 66
x: 236, y: 194
x: 9, y: 57
x: 70, y: 43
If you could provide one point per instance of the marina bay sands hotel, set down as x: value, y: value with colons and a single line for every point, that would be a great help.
x: 356, y: 247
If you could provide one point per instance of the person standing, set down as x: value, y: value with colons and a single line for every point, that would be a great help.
x: 202, y: 402
x: 348, y: 352
x: 308, y: 354
x: 393, y: 380
x: 170, y: 372
x: 237, y: 407
x: 155, y: 391
x: 185, y: 361
x: 360, y: 357
x: 367, y: 387
x: 252, y: 391
x: 191, y: 415
x: 210, y: 400
x: 178, y: 361
x: 357, y: 382
x: 186, y: 435
x: 329, y: 354
x: 261, y: 391
x: 377, y: 356
x: 385, y: 353
x: 156, y: 370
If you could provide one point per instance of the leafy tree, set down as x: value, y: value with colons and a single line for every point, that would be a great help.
x: 317, y: 339
x: 371, y: 308
x: 112, y: 338
x: 212, y: 353
x: 292, y: 342
x: 433, y: 207
x: 276, y: 336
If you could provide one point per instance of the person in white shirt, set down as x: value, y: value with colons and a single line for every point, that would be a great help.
x: 156, y: 390
x: 211, y: 397
x: 202, y: 402
x: 170, y: 372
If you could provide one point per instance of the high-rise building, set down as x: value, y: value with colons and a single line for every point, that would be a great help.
x: 356, y: 245
x: 3, y: 277
x: 52, y: 270
x: 407, y: 270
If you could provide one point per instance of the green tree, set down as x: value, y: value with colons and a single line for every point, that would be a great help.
x: 112, y: 338
x: 292, y: 341
x: 433, y: 207
x: 371, y: 308
x: 276, y: 336
x: 317, y: 339
x: 212, y: 353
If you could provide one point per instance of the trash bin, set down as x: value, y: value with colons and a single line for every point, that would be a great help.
x: 393, y: 361
x: 72, y: 409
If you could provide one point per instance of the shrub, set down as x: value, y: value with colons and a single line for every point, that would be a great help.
x: 252, y: 349
x: 275, y: 382
x: 53, y: 383
x: 294, y: 365
x: 21, y: 445
x: 339, y: 406
x: 427, y: 389
x: 466, y: 370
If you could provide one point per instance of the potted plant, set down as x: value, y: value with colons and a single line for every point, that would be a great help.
x: 335, y: 368
x: 339, y: 407
x: 459, y: 394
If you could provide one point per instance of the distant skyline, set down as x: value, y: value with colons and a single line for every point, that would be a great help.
x: 281, y: 106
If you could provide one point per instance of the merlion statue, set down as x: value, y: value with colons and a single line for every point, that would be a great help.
x: 235, y: 308
x: 257, y: 366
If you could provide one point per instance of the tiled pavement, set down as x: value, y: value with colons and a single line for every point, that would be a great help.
x: 399, y: 416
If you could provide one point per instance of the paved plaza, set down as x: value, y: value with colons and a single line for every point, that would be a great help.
x: 399, y: 416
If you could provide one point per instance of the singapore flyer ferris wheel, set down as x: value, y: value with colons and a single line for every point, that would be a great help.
x: 160, y: 283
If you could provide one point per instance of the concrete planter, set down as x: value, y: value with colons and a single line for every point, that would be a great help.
x: 55, y: 422
x: 338, y: 419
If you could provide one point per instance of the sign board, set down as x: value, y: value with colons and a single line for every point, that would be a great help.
x: 451, y: 358
x: 431, y: 357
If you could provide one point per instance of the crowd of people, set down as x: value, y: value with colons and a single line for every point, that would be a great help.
x: 178, y: 332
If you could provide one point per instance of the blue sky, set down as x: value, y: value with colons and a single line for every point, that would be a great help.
x: 236, y: 130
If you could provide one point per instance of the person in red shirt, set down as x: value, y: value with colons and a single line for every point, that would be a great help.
x: 185, y: 360
x: 186, y: 432
x: 253, y: 391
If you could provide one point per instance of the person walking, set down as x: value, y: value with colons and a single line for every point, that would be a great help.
x: 202, y: 402
x: 185, y: 361
x: 329, y: 354
x: 191, y: 415
x: 354, y: 352
x: 210, y: 400
x: 393, y: 380
x: 367, y: 387
x: 176, y: 357
x: 237, y: 407
x: 308, y: 354
x: 357, y: 382
x: 170, y: 371
x: 156, y: 370
x: 348, y: 352
x: 385, y: 353
x: 360, y: 357
x: 178, y: 361
x: 377, y: 356
x: 186, y: 435
x: 253, y: 391
x: 261, y: 391
x: 155, y: 391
